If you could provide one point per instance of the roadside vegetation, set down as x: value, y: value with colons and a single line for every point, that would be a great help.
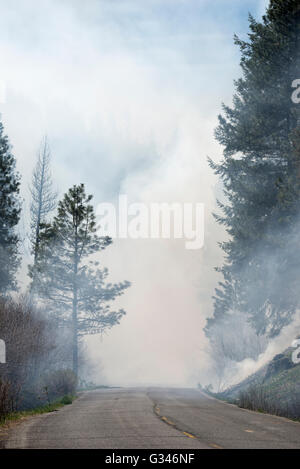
x: 36, y: 373
x: 52, y: 407
x: 274, y: 389
x: 278, y: 393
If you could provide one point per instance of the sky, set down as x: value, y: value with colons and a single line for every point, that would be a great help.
x: 128, y: 93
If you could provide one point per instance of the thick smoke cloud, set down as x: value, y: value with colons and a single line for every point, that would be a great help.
x: 128, y: 93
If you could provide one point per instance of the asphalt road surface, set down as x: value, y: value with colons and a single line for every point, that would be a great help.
x: 154, y: 418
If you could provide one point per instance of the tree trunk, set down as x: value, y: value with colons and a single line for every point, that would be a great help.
x: 75, y: 305
x: 75, y: 332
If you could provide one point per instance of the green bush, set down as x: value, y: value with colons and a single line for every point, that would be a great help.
x: 60, y: 383
x: 66, y: 400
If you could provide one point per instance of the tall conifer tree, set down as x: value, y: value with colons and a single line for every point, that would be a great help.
x: 260, y: 171
x: 70, y: 281
x: 9, y: 216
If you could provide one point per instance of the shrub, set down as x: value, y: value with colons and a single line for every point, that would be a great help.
x: 66, y: 400
x: 30, y: 340
x: 5, y: 399
x: 34, y: 347
x: 256, y: 398
x: 60, y: 383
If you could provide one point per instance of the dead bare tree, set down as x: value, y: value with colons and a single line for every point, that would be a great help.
x: 43, y: 197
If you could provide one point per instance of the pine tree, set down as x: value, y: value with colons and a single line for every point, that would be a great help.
x: 71, y: 283
x: 258, y: 172
x: 9, y: 216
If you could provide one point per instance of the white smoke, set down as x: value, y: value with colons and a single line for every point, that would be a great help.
x: 128, y: 93
x: 275, y: 346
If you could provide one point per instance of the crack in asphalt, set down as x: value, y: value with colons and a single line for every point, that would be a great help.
x: 168, y: 421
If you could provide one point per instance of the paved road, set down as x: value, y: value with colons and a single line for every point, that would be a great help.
x: 153, y: 418
x: 223, y: 425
